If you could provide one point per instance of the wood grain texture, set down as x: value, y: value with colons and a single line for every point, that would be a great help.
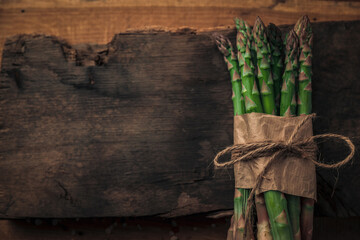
x: 96, y: 21
x: 130, y: 128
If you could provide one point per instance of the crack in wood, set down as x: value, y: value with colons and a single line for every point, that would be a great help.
x: 66, y: 194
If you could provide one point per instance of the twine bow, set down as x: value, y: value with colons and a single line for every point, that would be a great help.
x: 304, y: 149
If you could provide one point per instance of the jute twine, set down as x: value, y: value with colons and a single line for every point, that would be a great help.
x: 305, y: 149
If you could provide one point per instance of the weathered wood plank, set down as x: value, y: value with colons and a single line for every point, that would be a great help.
x: 130, y: 128
x: 97, y: 21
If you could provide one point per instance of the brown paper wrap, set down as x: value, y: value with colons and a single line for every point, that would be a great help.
x: 289, y: 175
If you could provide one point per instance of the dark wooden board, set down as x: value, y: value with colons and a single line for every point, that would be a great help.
x: 196, y: 226
x: 130, y: 128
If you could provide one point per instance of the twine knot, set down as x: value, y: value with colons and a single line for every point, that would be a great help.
x: 305, y: 149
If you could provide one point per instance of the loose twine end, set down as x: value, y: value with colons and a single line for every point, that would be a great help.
x: 305, y: 149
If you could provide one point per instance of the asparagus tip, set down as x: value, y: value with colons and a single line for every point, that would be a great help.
x: 292, y: 43
x: 303, y: 29
x: 259, y: 31
x: 272, y: 28
x: 258, y: 22
x: 223, y: 44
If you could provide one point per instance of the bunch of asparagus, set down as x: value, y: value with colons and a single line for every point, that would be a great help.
x: 261, y: 84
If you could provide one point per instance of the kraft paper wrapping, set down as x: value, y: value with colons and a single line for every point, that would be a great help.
x: 289, y: 174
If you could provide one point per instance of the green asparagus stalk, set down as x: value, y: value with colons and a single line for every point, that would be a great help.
x: 247, y: 56
x: 294, y: 208
x: 277, y: 58
x: 288, y: 108
x: 243, y: 27
x: 247, y: 69
x: 304, y: 32
x: 288, y: 97
x: 237, y: 227
x: 272, y: 199
x: 263, y: 60
x: 240, y: 204
x: 226, y: 49
x: 263, y: 225
x: 236, y: 231
x: 276, y: 206
x: 276, y: 202
x: 264, y: 75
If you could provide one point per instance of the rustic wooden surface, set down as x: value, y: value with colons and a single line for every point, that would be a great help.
x: 96, y: 21
x: 196, y: 227
x: 130, y: 128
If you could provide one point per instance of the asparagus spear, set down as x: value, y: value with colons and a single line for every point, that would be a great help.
x: 288, y: 97
x: 288, y: 108
x: 264, y: 75
x: 247, y: 56
x: 240, y: 204
x: 237, y: 227
x: 247, y: 69
x: 238, y: 220
x: 276, y: 206
x: 294, y: 208
x: 277, y: 58
x: 243, y: 27
x: 226, y: 49
x: 276, y: 202
x: 263, y: 60
x: 304, y: 32
x: 263, y: 226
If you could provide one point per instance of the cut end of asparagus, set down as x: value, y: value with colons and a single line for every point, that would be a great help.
x: 263, y: 231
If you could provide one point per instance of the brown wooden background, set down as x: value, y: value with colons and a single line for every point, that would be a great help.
x: 96, y: 22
